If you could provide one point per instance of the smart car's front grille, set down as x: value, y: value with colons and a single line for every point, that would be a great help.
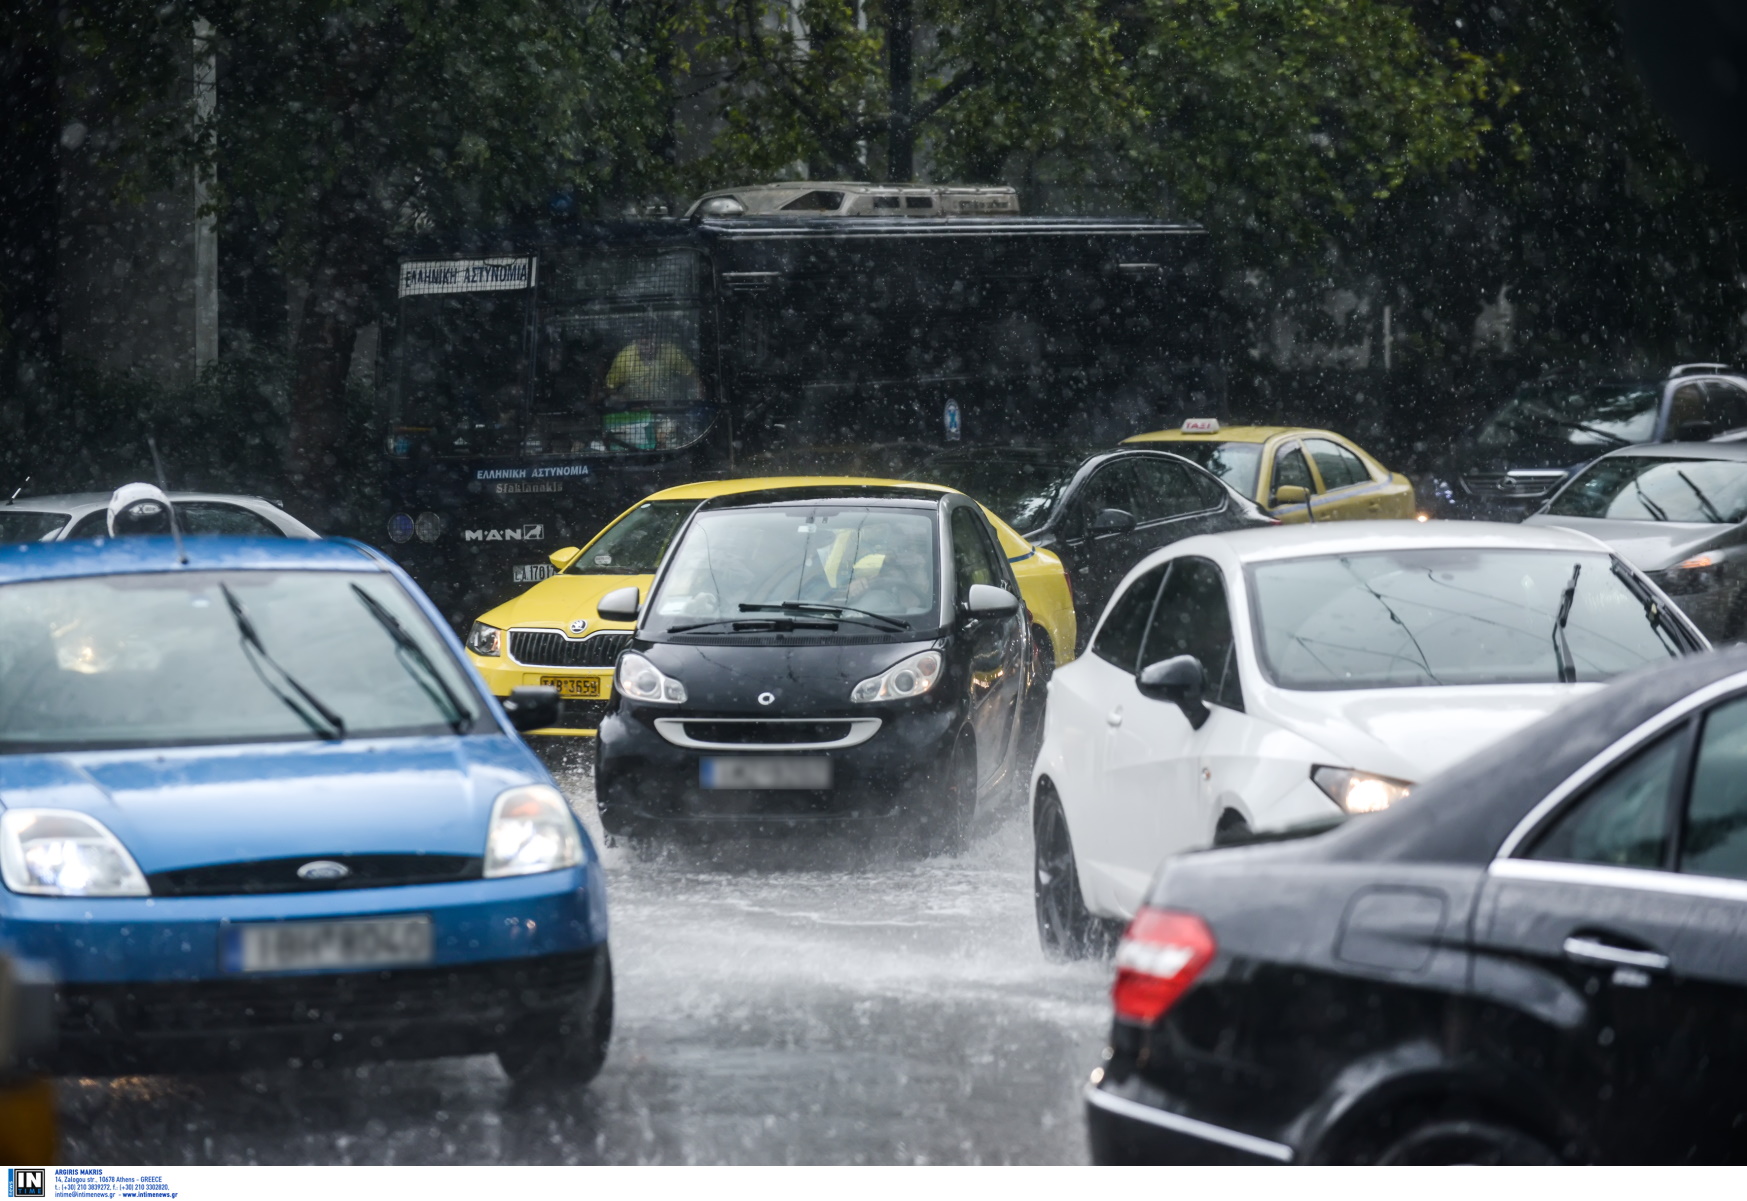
x: 1511, y: 485
x: 280, y: 875
x: 767, y: 733
x: 549, y: 648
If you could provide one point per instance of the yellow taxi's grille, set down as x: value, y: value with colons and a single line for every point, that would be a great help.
x: 548, y: 648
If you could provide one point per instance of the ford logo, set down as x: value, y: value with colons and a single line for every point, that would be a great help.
x: 323, y: 869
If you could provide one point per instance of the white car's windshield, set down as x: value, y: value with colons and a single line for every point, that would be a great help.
x: 1416, y: 618
x: 1634, y: 488
x: 801, y: 565
x: 163, y: 659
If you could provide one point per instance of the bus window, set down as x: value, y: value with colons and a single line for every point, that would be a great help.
x: 463, y: 370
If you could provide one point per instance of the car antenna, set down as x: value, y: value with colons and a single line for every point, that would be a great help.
x: 18, y: 489
x: 175, y: 525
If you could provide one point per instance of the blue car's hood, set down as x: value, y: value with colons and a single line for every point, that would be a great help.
x: 190, y: 807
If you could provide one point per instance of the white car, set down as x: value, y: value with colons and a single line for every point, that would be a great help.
x: 86, y: 515
x: 1265, y: 679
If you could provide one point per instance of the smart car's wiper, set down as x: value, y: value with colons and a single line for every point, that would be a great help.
x: 811, y: 607
x: 772, y: 625
x: 331, y: 726
x: 1562, y: 648
x: 1655, y: 509
x: 1704, y: 501
x: 1543, y: 415
x: 458, y: 715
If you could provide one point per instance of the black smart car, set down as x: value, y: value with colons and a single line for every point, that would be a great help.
x: 818, y: 655
x: 1540, y: 956
x: 1100, y: 513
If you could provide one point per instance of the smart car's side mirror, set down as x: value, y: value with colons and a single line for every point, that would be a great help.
x: 986, y: 600
x: 618, y: 605
x: 563, y: 557
x: 1179, y: 681
x: 1290, y: 494
x: 532, y: 706
x: 1113, y: 521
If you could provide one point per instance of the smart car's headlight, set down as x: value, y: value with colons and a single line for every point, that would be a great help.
x: 902, y: 680
x: 1359, y: 791
x: 59, y: 853
x: 641, y: 680
x: 485, y: 640
x: 531, y: 831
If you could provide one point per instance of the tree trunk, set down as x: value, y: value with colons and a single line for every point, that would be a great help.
x: 900, y: 133
x: 326, y: 336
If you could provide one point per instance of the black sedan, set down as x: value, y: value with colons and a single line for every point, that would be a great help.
x: 1100, y: 514
x: 819, y: 655
x: 1538, y: 957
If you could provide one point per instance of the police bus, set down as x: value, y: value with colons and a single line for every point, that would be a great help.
x: 540, y: 382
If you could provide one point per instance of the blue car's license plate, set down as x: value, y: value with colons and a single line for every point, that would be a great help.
x: 353, y: 943
x: 765, y: 771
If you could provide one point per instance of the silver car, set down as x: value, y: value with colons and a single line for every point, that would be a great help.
x: 1677, y: 511
x: 86, y: 515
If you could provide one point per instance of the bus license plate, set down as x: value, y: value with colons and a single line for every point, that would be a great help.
x: 367, y: 942
x: 765, y: 771
x: 576, y: 688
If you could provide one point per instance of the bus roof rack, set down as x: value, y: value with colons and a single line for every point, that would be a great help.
x: 1698, y: 369
x: 833, y: 198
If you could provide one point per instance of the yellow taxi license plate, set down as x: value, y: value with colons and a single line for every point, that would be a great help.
x: 584, y: 688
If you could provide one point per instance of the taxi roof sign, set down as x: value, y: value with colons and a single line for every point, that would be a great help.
x: 1201, y: 425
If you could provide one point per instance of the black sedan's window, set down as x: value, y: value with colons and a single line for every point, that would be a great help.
x: 1713, y: 841
x: 1119, y: 639
x: 1163, y: 490
x: 1623, y: 821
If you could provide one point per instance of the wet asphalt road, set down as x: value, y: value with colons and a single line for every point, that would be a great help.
x: 791, y: 1002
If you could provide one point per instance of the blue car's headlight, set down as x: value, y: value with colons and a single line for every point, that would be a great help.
x: 61, y: 853
x: 531, y: 831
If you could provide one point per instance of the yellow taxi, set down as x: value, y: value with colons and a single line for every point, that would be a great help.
x: 1296, y: 474
x: 552, y: 634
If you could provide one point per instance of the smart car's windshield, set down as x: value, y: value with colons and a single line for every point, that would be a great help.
x: 162, y: 659
x: 1021, y: 492
x: 28, y: 525
x: 1641, y: 488
x: 1416, y: 618
x: 634, y: 544
x: 1237, y: 463
x: 1590, y: 416
x: 803, y: 568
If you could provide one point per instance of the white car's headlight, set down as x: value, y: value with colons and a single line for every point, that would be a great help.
x: 531, y: 831
x: 485, y: 640
x: 1359, y: 791
x: 902, y: 680
x: 60, y: 853
x: 641, y: 680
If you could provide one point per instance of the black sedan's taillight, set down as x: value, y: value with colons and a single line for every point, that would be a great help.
x: 1160, y: 955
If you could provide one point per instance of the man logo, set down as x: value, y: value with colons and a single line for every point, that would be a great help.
x: 27, y: 1182
x: 533, y: 532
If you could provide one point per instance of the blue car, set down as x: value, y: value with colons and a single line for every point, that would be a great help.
x: 256, y: 809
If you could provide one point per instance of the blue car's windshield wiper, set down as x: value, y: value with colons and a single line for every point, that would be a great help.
x: 305, y: 703
x: 458, y: 715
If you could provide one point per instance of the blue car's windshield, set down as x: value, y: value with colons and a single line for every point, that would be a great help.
x: 160, y: 659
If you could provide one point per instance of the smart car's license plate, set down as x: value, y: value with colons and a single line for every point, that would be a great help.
x: 765, y: 771
x: 576, y: 688
x: 360, y: 942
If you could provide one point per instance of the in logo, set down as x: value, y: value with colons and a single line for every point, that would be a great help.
x: 27, y: 1182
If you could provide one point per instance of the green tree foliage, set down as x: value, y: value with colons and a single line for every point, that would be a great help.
x: 347, y: 125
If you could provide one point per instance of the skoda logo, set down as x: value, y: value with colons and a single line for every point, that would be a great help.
x: 767, y: 698
x: 579, y: 625
x: 323, y: 869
